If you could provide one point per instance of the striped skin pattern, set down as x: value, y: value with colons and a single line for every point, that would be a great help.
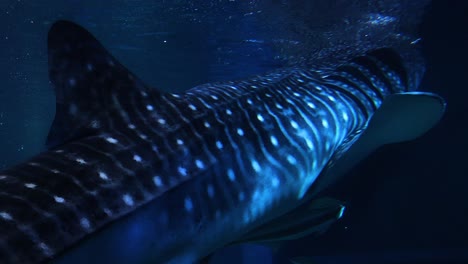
x: 187, y: 172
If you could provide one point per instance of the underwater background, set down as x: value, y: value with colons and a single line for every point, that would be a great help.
x: 406, y: 203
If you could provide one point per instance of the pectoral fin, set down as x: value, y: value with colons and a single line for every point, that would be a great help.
x: 313, y: 217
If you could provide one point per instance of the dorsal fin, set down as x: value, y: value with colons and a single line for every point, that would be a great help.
x: 85, y: 77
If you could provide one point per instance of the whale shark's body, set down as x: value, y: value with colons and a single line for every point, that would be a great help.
x: 134, y: 175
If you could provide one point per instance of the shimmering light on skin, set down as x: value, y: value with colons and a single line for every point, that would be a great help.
x: 274, y: 141
x: 137, y: 158
x: 231, y: 175
x: 240, y: 132
x: 128, y: 200
x: 112, y: 140
x: 30, y: 185
x: 311, y: 105
x: 59, y: 199
x: 157, y: 181
x: 324, y: 123
x: 331, y: 98
x: 188, y: 204
x: 149, y: 108
x: 256, y: 166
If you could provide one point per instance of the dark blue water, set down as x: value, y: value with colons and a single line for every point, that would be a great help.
x: 407, y: 203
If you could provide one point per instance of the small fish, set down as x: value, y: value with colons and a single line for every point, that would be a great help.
x: 135, y: 175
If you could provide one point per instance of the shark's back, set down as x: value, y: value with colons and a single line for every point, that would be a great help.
x: 135, y: 175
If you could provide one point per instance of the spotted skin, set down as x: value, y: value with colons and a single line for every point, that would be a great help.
x: 151, y: 176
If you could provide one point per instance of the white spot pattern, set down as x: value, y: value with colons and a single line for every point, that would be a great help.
x: 59, y: 199
x: 188, y: 204
x: 274, y: 141
x: 6, y: 216
x: 199, y: 164
x: 157, y: 181
x: 256, y: 166
x: 210, y: 190
x: 103, y: 175
x: 182, y: 171
x: 137, y: 158
x: 231, y: 175
x: 112, y: 140
x: 84, y: 222
x: 30, y: 185
x: 324, y: 123
x: 260, y: 118
x: 80, y: 161
x: 291, y: 159
x: 275, y: 182
x: 128, y: 199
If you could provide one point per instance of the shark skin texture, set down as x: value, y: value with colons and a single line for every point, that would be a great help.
x: 135, y: 175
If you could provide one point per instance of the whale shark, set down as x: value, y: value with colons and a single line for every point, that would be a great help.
x: 133, y: 174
